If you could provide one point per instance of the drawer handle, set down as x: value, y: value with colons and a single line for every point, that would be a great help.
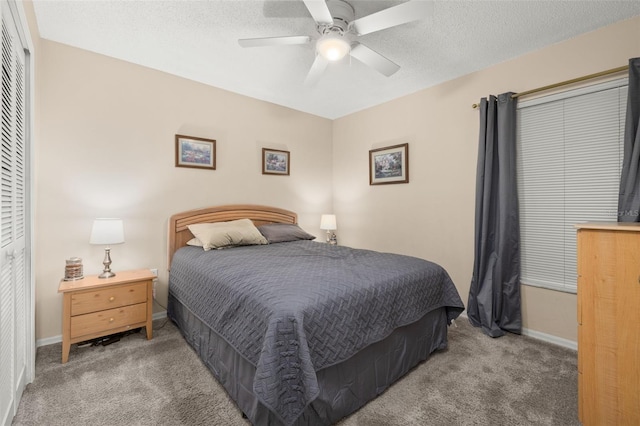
x: 111, y: 319
x: 112, y: 298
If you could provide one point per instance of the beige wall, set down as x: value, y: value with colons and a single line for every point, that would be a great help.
x: 105, y: 148
x: 433, y: 216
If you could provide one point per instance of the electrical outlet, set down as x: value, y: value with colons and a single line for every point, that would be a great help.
x: 154, y: 271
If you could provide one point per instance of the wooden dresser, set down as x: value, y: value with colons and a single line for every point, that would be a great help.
x: 609, y: 324
x: 95, y: 307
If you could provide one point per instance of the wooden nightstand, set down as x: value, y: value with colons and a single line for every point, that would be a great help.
x: 95, y: 307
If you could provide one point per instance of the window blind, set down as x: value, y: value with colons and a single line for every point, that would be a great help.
x: 569, y: 160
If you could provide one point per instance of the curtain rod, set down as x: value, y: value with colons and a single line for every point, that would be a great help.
x: 567, y: 82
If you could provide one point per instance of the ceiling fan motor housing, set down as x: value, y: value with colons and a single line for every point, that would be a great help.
x: 342, y: 14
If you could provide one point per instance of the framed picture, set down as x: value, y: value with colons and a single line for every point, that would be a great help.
x: 389, y: 165
x: 195, y: 152
x: 275, y: 162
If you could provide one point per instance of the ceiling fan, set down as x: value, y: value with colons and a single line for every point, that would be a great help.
x: 338, y: 29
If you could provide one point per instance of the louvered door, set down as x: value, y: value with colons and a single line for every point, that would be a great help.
x: 14, y: 303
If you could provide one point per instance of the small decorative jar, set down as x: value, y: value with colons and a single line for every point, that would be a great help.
x: 73, y: 269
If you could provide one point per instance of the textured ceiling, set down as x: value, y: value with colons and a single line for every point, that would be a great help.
x: 198, y: 40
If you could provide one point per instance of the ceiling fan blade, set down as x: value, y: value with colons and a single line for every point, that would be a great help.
x: 318, y: 67
x: 319, y: 11
x: 396, y: 15
x: 373, y: 59
x: 273, y: 41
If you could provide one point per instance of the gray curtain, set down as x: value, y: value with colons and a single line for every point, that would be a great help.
x: 629, y: 196
x: 494, y: 296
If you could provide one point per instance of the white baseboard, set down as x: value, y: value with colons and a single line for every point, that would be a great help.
x: 549, y: 338
x: 159, y: 315
x: 48, y: 341
x: 57, y: 339
x: 570, y: 344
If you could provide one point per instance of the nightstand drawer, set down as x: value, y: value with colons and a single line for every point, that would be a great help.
x: 108, y: 298
x: 98, y: 322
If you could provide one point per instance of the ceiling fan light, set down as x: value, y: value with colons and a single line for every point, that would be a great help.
x: 332, y: 48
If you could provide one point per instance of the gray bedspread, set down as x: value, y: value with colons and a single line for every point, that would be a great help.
x: 294, y: 308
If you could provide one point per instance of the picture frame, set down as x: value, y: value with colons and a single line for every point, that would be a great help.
x: 194, y: 152
x: 389, y: 165
x: 275, y: 162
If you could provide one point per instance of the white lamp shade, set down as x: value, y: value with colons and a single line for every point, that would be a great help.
x: 107, y: 231
x: 328, y: 222
x: 332, y: 47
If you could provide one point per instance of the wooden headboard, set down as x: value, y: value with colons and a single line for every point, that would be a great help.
x: 179, y: 232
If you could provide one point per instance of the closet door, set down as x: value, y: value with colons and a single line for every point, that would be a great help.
x: 14, y: 295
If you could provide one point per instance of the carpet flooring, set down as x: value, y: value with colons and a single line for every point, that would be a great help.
x: 512, y: 380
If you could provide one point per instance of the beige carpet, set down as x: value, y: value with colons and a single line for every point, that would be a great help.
x: 512, y: 380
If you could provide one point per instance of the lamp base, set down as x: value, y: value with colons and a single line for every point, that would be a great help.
x: 332, y: 239
x: 107, y: 274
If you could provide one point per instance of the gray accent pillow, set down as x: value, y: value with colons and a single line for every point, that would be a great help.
x: 283, y: 232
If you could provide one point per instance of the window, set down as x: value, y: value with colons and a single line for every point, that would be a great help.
x: 569, y: 160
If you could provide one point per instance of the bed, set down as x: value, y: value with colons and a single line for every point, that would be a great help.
x: 302, y: 332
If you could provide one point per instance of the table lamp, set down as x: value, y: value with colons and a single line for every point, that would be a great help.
x: 328, y: 223
x: 107, y: 231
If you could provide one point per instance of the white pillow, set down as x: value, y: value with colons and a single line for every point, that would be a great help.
x: 240, y: 232
x: 194, y: 242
